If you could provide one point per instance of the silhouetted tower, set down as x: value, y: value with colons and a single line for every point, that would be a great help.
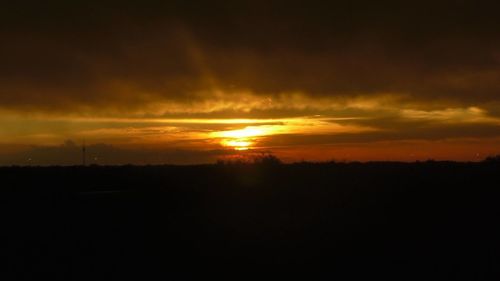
x: 84, y: 154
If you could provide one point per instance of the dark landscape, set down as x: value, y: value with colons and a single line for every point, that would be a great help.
x: 193, y: 140
x: 406, y: 221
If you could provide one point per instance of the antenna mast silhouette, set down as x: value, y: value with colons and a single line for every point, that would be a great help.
x: 84, y: 154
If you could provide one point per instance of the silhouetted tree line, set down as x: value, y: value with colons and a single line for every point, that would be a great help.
x: 265, y: 159
x: 492, y: 159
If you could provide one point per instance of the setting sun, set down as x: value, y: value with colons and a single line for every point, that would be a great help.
x: 243, y: 133
x: 238, y: 144
x: 241, y: 139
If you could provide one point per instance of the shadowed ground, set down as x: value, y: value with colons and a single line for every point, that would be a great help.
x: 420, y: 221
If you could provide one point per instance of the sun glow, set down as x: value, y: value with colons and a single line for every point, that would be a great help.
x: 242, y: 139
x: 250, y: 136
x: 243, y: 133
x: 237, y: 144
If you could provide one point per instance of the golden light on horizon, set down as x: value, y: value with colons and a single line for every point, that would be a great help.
x: 250, y: 136
x: 249, y: 131
x: 287, y: 137
x: 242, y: 139
x: 239, y: 144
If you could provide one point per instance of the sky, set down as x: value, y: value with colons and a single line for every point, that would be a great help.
x: 184, y: 82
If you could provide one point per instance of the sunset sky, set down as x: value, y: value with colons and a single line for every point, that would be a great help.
x: 183, y: 82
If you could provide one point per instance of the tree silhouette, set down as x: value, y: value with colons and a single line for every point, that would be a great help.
x: 492, y: 159
x: 267, y: 159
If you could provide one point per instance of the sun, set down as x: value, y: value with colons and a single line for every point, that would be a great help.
x: 237, y: 144
x: 242, y: 139
x: 248, y: 132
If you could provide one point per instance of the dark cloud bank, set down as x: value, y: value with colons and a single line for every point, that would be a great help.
x: 93, y: 55
x: 70, y: 153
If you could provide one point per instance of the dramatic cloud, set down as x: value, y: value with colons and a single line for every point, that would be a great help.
x: 179, y: 74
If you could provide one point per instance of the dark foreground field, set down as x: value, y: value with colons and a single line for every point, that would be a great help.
x: 422, y: 221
